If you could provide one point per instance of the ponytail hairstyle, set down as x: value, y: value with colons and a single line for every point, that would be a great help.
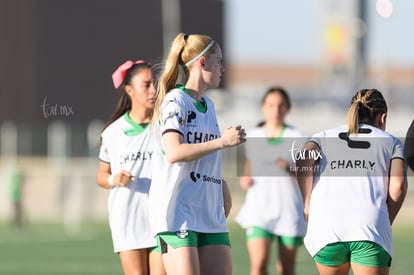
x: 121, y: 78
x: 185, y: 50
x: 366, y: 105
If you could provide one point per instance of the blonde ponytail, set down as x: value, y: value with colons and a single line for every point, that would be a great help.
x: 183, y: 49
x: 170, y: 73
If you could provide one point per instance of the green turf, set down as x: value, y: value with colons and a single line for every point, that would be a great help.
x: 46, y: 249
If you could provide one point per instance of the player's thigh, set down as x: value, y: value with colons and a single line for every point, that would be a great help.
x: 259, y: 250
x: 134, y: 262
x: 368, y: 270
x: 156, y: 266
x: 182, y: 260
x: 215, y: 253
x: 258, y: 244
x: 288, y: 247
x: 179, y: 252
x: 287, y: 256
x: 342, y: 269
x: 215, y: 259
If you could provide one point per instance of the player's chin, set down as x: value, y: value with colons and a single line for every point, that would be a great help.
x: 215, y: 83
x: 150, y: 105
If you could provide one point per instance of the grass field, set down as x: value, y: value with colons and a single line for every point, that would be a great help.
x: 45, y: 249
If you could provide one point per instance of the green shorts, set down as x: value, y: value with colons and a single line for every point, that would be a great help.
x: 256, y: 232
x: 188, y: 238
x: 364, y: 253
x: 155, y: 249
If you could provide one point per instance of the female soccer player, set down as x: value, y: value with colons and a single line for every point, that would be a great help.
x: 126, y: 156
x: 186, y: 197
x: 353, y: 182
x: 273, y: 207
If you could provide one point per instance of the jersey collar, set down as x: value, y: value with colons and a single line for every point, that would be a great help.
x: 201, y: 106
x: 135, y: 128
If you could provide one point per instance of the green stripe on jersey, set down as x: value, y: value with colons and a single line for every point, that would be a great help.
x: 276, y: 140
x: 136, y: 128
x: 201, y: 106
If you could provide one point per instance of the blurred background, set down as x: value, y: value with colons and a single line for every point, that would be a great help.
x: 57, y: 57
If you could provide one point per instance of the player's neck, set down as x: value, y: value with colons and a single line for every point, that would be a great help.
x: 274, y: 130
x: 140, y: 115
x: 195, y: 88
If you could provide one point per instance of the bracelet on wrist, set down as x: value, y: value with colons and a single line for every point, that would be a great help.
x: 111, y: 181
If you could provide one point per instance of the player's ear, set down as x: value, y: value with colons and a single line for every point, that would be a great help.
x: 128, y: 89
x: 382, y: 120
x: 202, y: 62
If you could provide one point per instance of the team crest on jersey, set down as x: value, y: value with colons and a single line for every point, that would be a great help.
x: 175, y: 114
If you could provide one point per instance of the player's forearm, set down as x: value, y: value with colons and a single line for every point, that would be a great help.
x: 305, y: 176
x: 227, y: 200
x: 397, y: 188
x: 396, y: 196
x: 305, y: 182
x: 185, y: 152
x: 102, y: 179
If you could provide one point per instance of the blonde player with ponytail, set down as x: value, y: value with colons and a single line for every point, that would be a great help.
x: 353, y: 189
x: 189, y: 200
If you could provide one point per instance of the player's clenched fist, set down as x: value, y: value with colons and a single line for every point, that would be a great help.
x: 233, y: 136
x: 123, y: 178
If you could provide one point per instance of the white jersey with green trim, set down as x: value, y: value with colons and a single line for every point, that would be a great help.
x: 187, y: 195
x: 128, y: 146
x: 349, y: 197
x: 274, y: 201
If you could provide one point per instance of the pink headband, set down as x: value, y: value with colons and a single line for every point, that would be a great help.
x: 119, y: 75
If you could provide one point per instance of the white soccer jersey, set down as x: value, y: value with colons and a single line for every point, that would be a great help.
x: 274, y: 201
x: 187, y: 195
x: 128, y: 146
x: 348, y: 200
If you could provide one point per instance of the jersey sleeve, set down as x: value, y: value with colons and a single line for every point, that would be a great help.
x: 316, y: 138
x: 173, y: 116
x: 104, y: 152
x: 398, y: 149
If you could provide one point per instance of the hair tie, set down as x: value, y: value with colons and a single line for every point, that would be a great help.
x: 203, y: 52
x: 119, y: 75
